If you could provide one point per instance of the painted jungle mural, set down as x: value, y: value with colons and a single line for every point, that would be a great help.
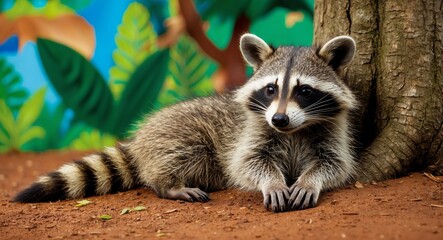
x: 77, y: 74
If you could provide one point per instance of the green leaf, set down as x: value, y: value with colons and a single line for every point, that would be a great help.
x: 4, y: 139
x: 82, y: 203
x: 30, y: 110
x: 142, y: 90
x: 20, y: 93
x: 135, y: 41
x: 4, y: 148
x: 15, y: 133
x: 79, y: 84
x: 29, y: 134
x: 105, y: 217
x: 74, y: 132
x: 190, y: 73
x: 11, y: 89
x: 51, y: 120
x: 125, y: 211
x: 92, y: 139
x: 139, y: 208
x: 7, y: 118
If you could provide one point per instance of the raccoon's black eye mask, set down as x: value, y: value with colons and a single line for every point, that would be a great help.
x: 305, y: 91
x: 316, y: 101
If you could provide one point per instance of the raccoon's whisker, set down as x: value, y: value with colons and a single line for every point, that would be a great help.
x: 257, y: 104
x: 323, y: 110
x: 257, y: 107
x: 321, y: 107
x: 318, y: 104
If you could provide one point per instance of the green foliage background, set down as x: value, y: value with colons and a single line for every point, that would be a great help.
x: 142, y: 79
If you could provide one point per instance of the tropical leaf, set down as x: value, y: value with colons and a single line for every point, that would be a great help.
x: 135, y: 41
x: 73, y: 132
x: 31, y: 133
x: 189, y: 73
x: 51, y: 119
x: 7, y: 122
x: 30, y: 110
x: 11, y: 90
x: 6, y: 116
x: 4, y: 138
x: 79, y: 84
x: 14, y: 133
x: 142, y: 90
x: 92, y: 139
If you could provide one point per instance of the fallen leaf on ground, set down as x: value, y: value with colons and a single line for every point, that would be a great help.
x: 125, y: 210
x: 160, y: 233
x: 105, y: 217
x: 139, y: 208
x: 358, y: 185
x: 83, y: 203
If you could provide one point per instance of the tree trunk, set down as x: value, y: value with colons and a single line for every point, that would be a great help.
x: 397, y: 73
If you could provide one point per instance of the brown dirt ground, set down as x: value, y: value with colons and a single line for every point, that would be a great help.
x: 405, y: 208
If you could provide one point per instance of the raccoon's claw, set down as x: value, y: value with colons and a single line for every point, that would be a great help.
x: 302, y: 198
x: 275, y: 200
x: 188, y: 194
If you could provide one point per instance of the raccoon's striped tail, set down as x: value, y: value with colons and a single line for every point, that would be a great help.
x: 109, y: 171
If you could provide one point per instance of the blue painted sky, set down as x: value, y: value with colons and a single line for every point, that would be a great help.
x: 104, y: 17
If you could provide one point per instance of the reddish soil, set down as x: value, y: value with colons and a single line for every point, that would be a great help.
x: 405, y: 208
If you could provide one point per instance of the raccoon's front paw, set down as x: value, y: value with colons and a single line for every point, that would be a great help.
x: 187, y: 194
x: 275, y: 198
x: 303, y: 196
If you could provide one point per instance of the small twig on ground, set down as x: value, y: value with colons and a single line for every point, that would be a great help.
x: 432, y: 177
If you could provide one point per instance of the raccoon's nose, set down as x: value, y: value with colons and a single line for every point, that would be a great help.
x: 280, y: 120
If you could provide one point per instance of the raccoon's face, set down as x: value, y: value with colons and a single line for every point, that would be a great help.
x: 295, y: 87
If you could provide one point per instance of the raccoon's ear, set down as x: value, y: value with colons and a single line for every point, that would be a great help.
x: 338, y: 52
x: 254, y: 50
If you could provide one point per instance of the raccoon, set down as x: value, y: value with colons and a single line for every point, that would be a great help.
x: 285, y: 133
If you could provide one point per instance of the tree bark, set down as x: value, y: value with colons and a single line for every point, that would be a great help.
x: 397, y: 73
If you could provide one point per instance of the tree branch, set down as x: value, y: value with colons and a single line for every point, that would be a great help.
x: 194, y: 27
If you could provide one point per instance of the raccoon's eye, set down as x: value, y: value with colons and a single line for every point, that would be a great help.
x: 270, y: 90
x: 305, y: 91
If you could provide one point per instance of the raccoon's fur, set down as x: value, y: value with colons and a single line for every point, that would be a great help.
x: 286, y: 133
